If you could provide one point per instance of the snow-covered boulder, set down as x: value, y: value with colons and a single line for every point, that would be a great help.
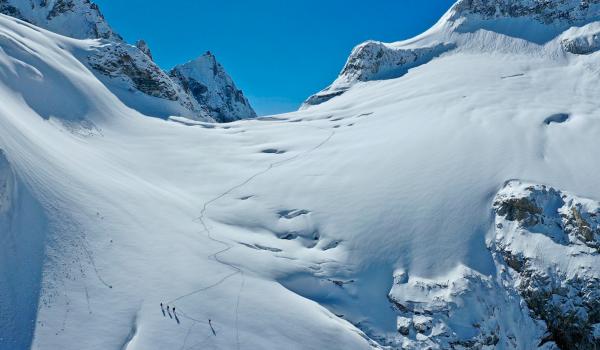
x: 207, y: 82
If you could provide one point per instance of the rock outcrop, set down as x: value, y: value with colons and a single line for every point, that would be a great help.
x: 143, y: 46
x: 375, y: 60
x: 582, y: 40
x: 545, y: 293
x: 550, y: 240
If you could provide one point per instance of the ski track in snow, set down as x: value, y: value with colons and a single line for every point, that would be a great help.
x: 216, y: 256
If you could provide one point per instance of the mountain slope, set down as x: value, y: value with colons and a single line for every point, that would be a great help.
x: 206, y: 80
x: 388, y: 217
x: 130, y: 71
x: 535, y: 21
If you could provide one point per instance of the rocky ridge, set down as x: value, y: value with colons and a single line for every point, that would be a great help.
x: 573, y: 24
x: 130, y: 71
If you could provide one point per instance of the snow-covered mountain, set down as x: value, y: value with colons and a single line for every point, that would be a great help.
x: 205, y: 79
x: 445, y: 198
x: 535, y: 21
x: 129, y: 70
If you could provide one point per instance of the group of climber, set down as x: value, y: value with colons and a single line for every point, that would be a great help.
x: 173, y: 314
x: 169, y: 310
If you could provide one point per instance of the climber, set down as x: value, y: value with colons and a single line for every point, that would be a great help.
x: 211, y: 327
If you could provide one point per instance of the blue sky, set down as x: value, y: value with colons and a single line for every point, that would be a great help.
x: 277, y: 51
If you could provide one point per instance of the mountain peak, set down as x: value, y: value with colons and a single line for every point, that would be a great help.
x: 535, y: 21
x: 206, y: 80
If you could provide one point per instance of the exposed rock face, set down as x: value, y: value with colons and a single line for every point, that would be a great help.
x: 551, y: 242
x: 143, y: 46
x: 206, y: 80
x: 80, y: 19
x: 23, y: 228
x: 199, y: 90
x: 462, y: 310
x: 545, y: 293
x: 545, y: 11
x: 118, y: 60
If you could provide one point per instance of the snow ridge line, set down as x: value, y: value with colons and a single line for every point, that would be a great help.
x: 228, y: 246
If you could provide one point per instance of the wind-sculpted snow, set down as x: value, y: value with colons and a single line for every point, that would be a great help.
x: 22, y: 244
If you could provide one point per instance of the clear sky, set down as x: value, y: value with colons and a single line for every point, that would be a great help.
x: 277, y: 51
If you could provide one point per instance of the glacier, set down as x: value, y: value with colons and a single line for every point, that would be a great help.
x: 447, y: 202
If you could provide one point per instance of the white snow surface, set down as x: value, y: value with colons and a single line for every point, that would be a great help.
x: 284, y: 231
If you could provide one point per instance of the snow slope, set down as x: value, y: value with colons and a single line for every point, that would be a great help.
x: 367, y: 221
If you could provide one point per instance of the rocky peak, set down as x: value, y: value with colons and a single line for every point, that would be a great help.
x: 374, y: 60
x: 206, y: 80
x: 537, y: 21
x: 80, y: 19
x: 143, y: 46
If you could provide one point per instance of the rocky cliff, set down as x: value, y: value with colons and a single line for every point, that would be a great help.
x: 207, y: 82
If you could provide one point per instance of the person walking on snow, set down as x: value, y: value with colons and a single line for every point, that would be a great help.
x: 211, y: 327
